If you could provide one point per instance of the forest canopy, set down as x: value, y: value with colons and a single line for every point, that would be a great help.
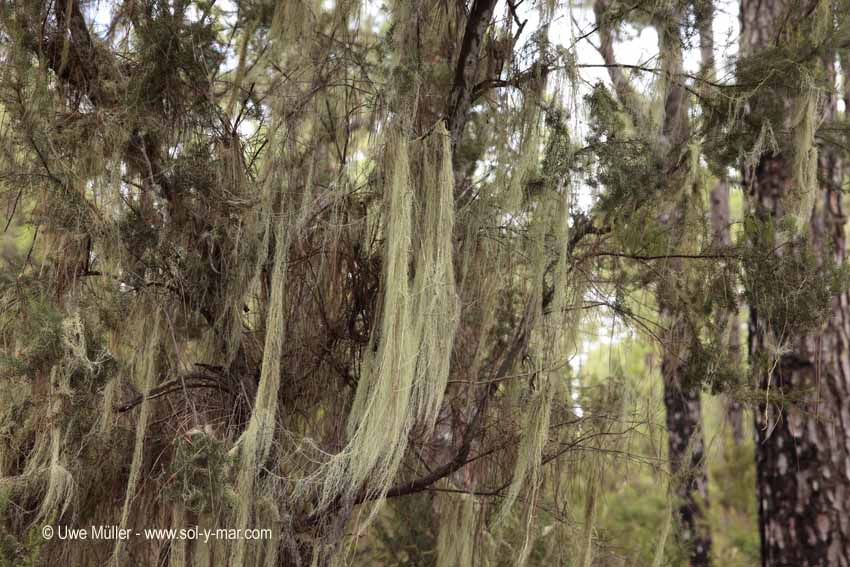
x: 453, y: 283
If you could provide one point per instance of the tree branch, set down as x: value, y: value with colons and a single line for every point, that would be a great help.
x: 460, y: 97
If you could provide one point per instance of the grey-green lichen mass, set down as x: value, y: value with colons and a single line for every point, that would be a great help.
x: 409, y: 283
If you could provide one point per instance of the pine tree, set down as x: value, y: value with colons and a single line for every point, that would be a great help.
x: 800, y: 365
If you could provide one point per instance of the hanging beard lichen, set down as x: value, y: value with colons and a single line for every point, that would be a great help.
x: 435, y: 302
x: 303, y: 273
x: 456, y: 540
x: 804, y: 166
x: 553, y: 326
x: 144, y: 374
x: 804, y: 125
x: 256, y: 441
x: 380, y: 418
x: 177, y: 555
x: 252, y: 448
x: 407, y: 363
x: 383, y: 400
x: 523, y: 170
x: 250, y: 246
x: 800, y: 116
x: 60, y: 484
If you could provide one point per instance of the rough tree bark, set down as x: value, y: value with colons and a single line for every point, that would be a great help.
x: 803, y: 449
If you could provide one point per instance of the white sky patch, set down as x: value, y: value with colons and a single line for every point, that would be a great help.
x: 99, y: 16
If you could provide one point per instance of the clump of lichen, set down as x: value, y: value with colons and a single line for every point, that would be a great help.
x: 198, y: 472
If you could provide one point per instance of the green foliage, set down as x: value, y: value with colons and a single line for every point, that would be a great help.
x: 176, y: 55
x: 40, y: 335
x: 632, y: 520
x: 628, y: 168
x: 14, y: 553
x: 559, y: 156
x: 732, y: 474
x: 789, y: 284
x: 710, y: 364
x: 738, y: 138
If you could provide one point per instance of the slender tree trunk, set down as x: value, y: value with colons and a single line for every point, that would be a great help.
x: 686, y: 446
x: 803, y: 449
x: 720, y: 216
x: 728, y: 322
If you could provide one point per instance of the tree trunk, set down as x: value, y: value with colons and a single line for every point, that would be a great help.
x: 686, y: 450
x: 685, y: 441
x: 802, y: 449
x: 729, y: 323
